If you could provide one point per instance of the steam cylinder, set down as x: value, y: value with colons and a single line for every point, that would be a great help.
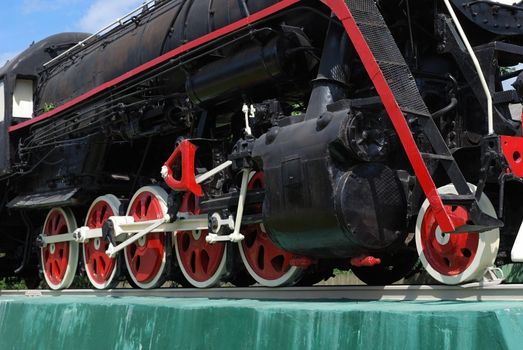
x: 252, y: 66
x: 320, y: 201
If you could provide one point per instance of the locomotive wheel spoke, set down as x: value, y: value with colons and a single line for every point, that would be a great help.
x: 146, y: 258
x: 455, y: 258
x: 202, y: 264
x: 103, y: 272
x: 59, y: 260
x: 266, y: 263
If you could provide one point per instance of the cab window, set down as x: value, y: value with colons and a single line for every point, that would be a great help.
x: 23, y: 99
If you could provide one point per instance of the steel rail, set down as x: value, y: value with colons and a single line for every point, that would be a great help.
x: 503, y: 292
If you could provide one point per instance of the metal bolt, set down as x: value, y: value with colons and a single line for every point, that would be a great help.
x: 214, y: 224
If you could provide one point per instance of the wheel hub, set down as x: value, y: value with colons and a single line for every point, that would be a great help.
x: 441, y: 238
x: 97, y: 243
x: 196, y: 234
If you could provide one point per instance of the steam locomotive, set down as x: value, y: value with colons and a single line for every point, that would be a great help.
x: 269, y: 142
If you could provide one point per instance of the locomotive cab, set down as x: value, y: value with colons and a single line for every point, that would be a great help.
x: 18, y: 83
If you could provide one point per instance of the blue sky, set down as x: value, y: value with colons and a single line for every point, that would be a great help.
x: 25, y: 21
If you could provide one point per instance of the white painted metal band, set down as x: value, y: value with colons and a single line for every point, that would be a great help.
x: 65, y: 237
x: 90, y: 233
x: 211, y: 173
x: 82, y: 234
x: 476, y: 65
x: 199, y: 222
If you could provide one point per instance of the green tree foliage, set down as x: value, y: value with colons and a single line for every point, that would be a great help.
x: 12, y: 283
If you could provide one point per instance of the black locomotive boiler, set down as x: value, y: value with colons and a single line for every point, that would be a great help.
x: 268, y: 141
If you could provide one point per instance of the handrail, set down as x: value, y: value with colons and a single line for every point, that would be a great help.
x: 119, y: 21
x: 476, y: 65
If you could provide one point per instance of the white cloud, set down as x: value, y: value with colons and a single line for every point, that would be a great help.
x: 507, y: 2
x: 104, y: 12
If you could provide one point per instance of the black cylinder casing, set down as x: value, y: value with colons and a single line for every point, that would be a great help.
x: 252, y: 66
x: 371, y: 205
x: 322, y: 202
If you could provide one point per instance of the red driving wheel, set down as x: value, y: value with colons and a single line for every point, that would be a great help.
x: 449, y: 254
x: 268, y: 264
x: 101, y: 270
x: 59, y: 260
x: 454, y: 258
x: 202, y: 264
x: 146, y: 258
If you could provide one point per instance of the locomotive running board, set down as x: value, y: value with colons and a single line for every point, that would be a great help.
x: 51, y: 199
x: 399, y: 93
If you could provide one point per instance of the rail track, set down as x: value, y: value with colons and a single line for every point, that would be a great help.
x: 505, y: 292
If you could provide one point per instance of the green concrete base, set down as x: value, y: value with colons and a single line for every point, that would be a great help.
x: 160, y: 323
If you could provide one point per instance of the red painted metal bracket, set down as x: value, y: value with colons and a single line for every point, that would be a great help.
x: 365, y: 261
x: 186, y: 154
x: 512, y: 147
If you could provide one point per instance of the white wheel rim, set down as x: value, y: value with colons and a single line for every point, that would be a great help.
x: 287, y: 279
x: 72, y: 264
x: 486, y: 252
x: 114, y: 203
x: 215, y: 279
x: 162, y: 197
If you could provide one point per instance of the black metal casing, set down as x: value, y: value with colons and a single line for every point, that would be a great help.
x: 321, y: 200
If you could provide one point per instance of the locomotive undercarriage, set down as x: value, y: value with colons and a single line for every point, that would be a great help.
x: 286, y: 163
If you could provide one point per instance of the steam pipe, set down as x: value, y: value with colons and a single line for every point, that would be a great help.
x: 331, y: 83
